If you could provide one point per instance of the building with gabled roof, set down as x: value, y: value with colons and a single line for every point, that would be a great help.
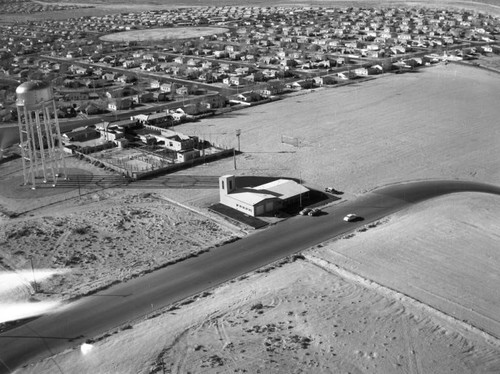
x: 260, y: 200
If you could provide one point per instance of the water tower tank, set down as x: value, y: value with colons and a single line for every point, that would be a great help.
x: 32, y: 94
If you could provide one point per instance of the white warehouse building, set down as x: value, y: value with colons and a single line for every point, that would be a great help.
x: 260, y: 200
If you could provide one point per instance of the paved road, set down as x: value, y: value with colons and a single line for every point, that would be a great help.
x: 125, y: 302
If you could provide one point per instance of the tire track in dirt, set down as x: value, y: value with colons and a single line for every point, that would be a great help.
x: 179, y: 348
x: 393, y: 294
x: 227, y: 347
x: 60, y: 242
x: 413, y: 362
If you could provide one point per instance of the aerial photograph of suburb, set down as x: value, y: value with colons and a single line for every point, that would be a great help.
x: 231, y: 186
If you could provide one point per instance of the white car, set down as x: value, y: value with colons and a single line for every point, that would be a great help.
x: 305, y: 211
x: 350, y: 217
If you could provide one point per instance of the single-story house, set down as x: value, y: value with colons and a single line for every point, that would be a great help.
x: 143, y: 97
x: 92, y: 109
x: 81, y: 134
x: 154, y: 119
x: 76, y: 95
x: 120, y: 104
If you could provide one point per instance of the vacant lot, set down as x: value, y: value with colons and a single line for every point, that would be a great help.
x: 438, y: 123
x: 163, y: 34
x: 443, y: 252
x: 103, y: 237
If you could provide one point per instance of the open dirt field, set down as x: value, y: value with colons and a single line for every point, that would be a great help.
x: 163, y: 34
x: 443, y: 252
x: 106, y: 236
x: 437, y: 123
x: 302, y: 317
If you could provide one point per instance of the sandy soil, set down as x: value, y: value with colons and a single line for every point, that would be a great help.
x: 439, y: 123
x: 104, y: 237
x: 301, y: 317
x: 443, y: 252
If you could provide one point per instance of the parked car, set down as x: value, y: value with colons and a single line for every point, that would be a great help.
x: 314, y: 212
x: 305, y: 211
x: 332, y: 190
x: 351, y: 217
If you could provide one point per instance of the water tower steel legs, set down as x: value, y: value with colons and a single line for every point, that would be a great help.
x: 59, y: 142
x: 40, y: 137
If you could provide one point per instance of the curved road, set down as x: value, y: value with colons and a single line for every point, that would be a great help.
x: 93, y: 315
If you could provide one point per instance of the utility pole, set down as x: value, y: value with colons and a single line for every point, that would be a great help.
x: 300, y: 194
x: 79, y: 191
x: 234, y: 158
x: 35, y: 286
x: 238, y: 133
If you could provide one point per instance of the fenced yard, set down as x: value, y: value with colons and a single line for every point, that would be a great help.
x: 146, y: 161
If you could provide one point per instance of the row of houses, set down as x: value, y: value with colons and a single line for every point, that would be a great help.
x: 272, y: 26
x: 271, y: 42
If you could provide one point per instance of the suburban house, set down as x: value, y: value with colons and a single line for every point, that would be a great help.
x: 91, y: 109
x: 175, y: 141
x: 109, y: 76
x: 214, y: 101
x: 183, y: 90
x: 76, y: 95
x: 81, y: 134
x: 166, y: 87
x: 120, y: 104
x: 260, y: 200
x: 375, y: 69
x: 121, y: 125
x: 160, y: 96
x: 346, y: 75
x: 361, y: 72
x: 120, y: 92
x: 155, y: 84
x: 143, y: 97
x: 162, y: 119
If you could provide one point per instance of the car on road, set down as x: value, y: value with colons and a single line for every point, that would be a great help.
x: 305, y: 211
x: 314, y: 212
x: 332, y: 190
x: 351, y: 217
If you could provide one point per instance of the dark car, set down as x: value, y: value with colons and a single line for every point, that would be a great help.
x: 314, y: 212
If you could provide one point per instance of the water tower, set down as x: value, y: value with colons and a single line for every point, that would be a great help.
x: 39, y: 134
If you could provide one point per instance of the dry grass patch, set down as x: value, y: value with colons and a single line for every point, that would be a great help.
x: 163, y: 34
